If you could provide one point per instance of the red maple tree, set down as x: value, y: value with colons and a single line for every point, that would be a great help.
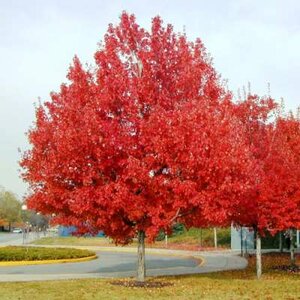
x: 273, y: 202
x: 147, y: 137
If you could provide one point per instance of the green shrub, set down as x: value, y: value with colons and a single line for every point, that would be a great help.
x: 177, y: 229
x: 17, y: 253
x: 203, y: 237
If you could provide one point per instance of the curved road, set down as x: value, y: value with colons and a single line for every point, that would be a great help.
x: 112, y: 262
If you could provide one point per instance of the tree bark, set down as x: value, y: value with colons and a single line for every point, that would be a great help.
x: 215, y: 237
x: 141, y: 270
x: 292, y: 248
x: 258, y: 255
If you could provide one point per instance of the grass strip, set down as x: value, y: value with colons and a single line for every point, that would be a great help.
x: 20, y: 253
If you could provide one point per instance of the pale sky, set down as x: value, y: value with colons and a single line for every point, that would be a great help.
x: 250, y: 41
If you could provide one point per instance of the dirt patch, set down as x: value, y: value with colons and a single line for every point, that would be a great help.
x: 138, y: 284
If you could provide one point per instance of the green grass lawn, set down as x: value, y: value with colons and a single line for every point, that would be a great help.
x: 18, y: 253
x: 72, y: 240
x: 222, y: 285
x: 203, y: 237
x: 192, y: 239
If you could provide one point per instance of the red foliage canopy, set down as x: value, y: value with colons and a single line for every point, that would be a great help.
x: 147, y: 137
x: 280, y: 191
x: 273, y: 202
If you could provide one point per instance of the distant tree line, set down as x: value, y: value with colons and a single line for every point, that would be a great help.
x: 12, y: 215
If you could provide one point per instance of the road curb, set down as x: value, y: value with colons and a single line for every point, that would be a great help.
x: 44, y: 262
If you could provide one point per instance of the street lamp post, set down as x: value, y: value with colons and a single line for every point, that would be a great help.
x: 24, y: 208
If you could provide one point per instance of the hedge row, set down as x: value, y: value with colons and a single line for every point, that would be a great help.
x: 18, y: 253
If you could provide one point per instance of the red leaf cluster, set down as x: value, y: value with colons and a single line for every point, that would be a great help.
x: 273, y: 202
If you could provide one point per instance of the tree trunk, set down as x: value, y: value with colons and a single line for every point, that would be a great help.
x: 292, y: 248
x: 141, y: 270
x: 215, y: 237
x: 280, y: 242
x: 258, y: 255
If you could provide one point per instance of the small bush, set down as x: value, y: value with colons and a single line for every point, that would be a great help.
x: 17, y: 253
x: 203, y: 237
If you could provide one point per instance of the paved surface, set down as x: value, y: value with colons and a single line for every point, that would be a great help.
x: 7, y: 239
x: 121, y: 262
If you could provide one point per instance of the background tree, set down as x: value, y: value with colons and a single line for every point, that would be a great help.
x: 273, y: 203
x: 288, y: 128
x: 10, y: 207
x: 36, y: 220
x: 147, y: 137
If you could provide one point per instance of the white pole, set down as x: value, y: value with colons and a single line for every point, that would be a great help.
x: 24, y: 208
x: 242, y: 244
x: 215, y: 238
x: 297, y: 238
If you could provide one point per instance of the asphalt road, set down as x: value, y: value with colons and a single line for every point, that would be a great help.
x: 107, y: 263
x: 112, y: 263
x: 120, y: 262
